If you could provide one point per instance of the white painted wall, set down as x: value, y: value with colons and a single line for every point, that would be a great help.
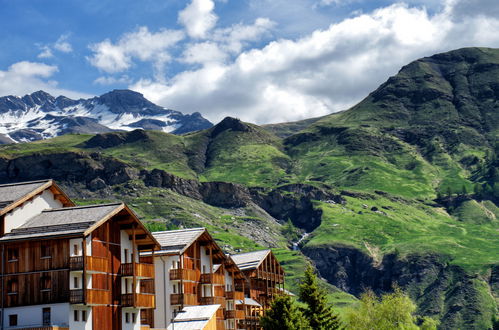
x: 229, y: 281
x: 88, y: 243
x: 23, y: 213
x: 131, y: 325
x: 80, y: 325
x: 78, y: 242
x: 163, y: 287
x: 205, y: 260
x: 32, y: 315
x: 78, y: 275
x: 127, y: 244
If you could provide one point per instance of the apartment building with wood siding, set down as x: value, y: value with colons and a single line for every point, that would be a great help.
x: 68, y: 267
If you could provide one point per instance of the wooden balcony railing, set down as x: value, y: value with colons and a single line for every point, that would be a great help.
x: 184, y: 274
x: 212, y: 279
x: 142, y: 300
x: 141, y: 270
x: 187, y: 299
x: 41, y: 327
x: 235, y: 314
x: 93, y: 297
x: 92, y: 264
x: 212, y: 301
x: 233, y: 295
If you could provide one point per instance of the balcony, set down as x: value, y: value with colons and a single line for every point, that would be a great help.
x: 142, y: 300
x: 41, y: 327
x: 212, y: 279
x: 184, y: 274
x: 141, y: 270
x: 212, y: 301
x: 187, y: 299
x: 93, y: 297
x: 233, y: 295
x: 92, y: 264
x: 235, y: 314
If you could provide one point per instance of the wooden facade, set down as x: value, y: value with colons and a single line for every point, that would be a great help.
x: 80, y: 264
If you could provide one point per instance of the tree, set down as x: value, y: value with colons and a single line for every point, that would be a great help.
x: 284, y: 315
x: 393, y: 311
x: 318, y: 313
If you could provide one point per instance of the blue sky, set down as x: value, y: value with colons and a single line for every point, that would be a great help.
x: 259, y: 60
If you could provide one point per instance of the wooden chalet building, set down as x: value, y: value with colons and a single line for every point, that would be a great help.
x: 192, y: 270
x: 68, y: 267
x: 266, y: 279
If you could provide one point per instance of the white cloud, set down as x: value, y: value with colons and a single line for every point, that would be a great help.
x: 198, y: 18
x: 140, y: 44
x: 46, y: 52
x: 26, y: 77
x: 63, y: 45
x: 326, y: 71
x: 109, y: 80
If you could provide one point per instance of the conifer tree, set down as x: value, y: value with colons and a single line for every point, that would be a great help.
x: 284, y: 315
x: 318, y: 312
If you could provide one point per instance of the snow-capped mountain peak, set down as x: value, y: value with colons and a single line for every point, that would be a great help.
x: 40, y: 115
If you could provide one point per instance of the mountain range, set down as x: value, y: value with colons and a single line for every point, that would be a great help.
x: 401, y: 189
x: 40, y: 116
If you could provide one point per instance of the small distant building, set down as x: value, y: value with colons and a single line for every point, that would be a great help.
x: 266, y: 280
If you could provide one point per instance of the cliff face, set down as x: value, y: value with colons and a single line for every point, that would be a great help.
x: 441, y: 290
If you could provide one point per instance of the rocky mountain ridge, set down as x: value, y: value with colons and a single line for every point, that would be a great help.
x: 40, y: 115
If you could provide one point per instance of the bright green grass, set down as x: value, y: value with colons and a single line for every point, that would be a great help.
x: 408, y: 228
x: 62, y: 143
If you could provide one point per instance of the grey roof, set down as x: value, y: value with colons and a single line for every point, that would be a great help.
x: 63, y: 221
x: 249, y: 302
x: 175, y: 241
x: 249, y: 260
x: 194, y: 317
x: 11, y: 192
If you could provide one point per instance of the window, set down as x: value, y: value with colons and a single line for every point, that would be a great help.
x: 12, y: 320
x: 75, y: 250
x: 134, y: 317
x: 12, y: 287
x: 46, y: 253
x: 12, y: 254
x: 84, y: 316
x: 46, y: 316
x: 127, y: 317
x: 45, y: 283
x: 126, y: 255
x: 76, y: 283
x: 204, y: 269
x: 75, y: 315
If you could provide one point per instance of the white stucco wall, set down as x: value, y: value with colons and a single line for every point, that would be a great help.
x: 205, y: 260
x: 127, y: 244
x: 80, y: 325
x: 78, y: 242
x: 229, y: 283
x: 35, y: 206
x: 72, y: 275
x: 131, y: 325
x: 32, y: 315
x: 163, y: 287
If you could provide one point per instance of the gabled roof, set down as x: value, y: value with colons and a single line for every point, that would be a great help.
x: 194, y: 317
x: 250, y: 260
x: 14, y: 194
x: 177, y: 241
x: 75, y: 221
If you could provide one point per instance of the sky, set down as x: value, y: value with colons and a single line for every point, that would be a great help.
x: 263, y: 61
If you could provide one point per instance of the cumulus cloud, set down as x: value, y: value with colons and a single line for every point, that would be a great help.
x: 110, y: 80
x: 62, y: 45
x: 326, y: 71
x: 26, y: 77
x: 140, y: 44
x: 198, y: 18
